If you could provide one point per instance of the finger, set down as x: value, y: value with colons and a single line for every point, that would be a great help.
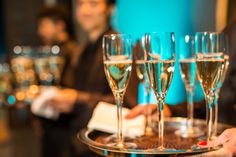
x: 136, y: 111
x: 141, y: 109
x: 223, y: 138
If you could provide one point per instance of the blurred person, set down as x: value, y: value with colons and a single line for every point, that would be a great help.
x: 54, y: 29
x: 94, y: 17
x: 90, y: 84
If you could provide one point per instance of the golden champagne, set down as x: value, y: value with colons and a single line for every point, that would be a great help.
x: 188, y: 69
x: 23, y: 71
x: 208, y: 71
x: 160, y: 74
x: 118, y: 73
x: 43, y: 70
x: 56, y: 64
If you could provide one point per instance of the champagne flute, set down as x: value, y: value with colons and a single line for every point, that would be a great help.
x: 160, y: 60
x: 218, y: 44
x: 22, y: 66
x: 49, y: 65
x: 56, y: 63
x: 141, y: 71
x: 42, y: 66
x: 188, y: 69
x: 23, y: 69
x: 117, y: 59
x: 209, y: 65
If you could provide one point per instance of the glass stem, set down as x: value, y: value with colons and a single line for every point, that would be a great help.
x: 190, y: 108
x: 216, y: 96
x: 209, y: 108
x: 119, y: 103
x: 148, y: 110
x: 161, y: 123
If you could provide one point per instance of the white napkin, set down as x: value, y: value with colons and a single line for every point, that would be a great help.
x: 39, y: 106
x: 104, y: 119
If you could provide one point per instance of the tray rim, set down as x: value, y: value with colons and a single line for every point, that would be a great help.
x: 83, y: 136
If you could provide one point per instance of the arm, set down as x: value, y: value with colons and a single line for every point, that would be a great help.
x: 66, y: 100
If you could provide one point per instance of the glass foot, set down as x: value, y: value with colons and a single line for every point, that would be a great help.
x: 112, y: 141
x: 149, y: 131
x: 189, y: 132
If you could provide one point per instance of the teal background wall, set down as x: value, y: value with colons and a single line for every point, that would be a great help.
x: 137, y: 17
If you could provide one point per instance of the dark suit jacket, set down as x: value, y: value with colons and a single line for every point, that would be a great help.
x: 90, y: 76
x: 90, y: 79
x: 227, y: 100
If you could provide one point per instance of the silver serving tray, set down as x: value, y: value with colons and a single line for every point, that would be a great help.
x: 147, y: 145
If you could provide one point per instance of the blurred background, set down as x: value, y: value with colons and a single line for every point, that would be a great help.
x: 18, y: 26
x: 18, y: 20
